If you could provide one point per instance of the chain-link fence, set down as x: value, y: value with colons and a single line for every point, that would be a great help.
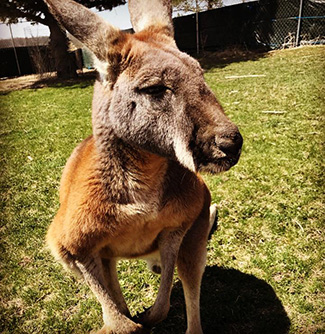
x: 271, y: 24
x: 287, y: 23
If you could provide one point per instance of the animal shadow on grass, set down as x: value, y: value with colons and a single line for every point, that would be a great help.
x: 231, y: 302
x: 83, y: 80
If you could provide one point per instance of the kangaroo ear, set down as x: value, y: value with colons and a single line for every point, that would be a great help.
x: 153, y: 13
x: 90, y: 29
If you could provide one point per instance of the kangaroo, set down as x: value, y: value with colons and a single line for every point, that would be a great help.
x: 132, y: 189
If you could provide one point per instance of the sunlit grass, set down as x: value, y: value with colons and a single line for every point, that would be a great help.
x: 270, y: 205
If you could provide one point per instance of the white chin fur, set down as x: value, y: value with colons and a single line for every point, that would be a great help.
x: 183, y: 155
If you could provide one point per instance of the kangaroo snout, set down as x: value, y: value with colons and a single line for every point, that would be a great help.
x: 217, y: 149
x: 230, y: 142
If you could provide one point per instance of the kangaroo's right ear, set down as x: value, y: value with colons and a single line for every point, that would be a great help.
x: 90, y: 29
x: 151, y: 13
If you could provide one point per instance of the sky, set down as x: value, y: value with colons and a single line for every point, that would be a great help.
x: 118, y: 16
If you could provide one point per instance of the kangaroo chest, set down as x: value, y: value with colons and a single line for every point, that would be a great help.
x: 168, y: 196
x: 177, y: 205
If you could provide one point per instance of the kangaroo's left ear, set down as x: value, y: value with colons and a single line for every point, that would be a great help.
x: 103, y: 39
x: 151, y: 13
x: 90, y: 29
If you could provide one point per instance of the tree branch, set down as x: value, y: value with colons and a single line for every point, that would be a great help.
x: 15, y: 12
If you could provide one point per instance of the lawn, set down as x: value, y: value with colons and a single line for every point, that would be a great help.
x: 265, y: 271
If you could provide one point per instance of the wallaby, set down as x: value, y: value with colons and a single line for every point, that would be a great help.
x: 132, y: 189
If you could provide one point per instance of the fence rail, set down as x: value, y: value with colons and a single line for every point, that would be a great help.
x: 270, y: 24
x: 296, y: 22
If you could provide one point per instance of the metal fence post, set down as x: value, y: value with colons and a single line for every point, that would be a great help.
x: 197, y: 26
x: 299, y: 23
x: 15, y: 52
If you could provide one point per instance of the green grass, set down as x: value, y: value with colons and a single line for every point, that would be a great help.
x: 266, y: 260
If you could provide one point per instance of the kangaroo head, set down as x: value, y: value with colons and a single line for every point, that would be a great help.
x: 149, y: 94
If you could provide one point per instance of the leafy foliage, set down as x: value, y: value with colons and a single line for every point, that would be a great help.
x: 36, y: 10
x: 195, y: 5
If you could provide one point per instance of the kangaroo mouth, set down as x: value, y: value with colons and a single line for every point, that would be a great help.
x: 216, y: 153
x: 216, y: 165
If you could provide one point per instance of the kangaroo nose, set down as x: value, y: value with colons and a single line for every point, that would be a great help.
x: 230, y: 142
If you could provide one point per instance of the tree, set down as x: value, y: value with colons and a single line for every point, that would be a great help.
x: 196, y: 5
x: 37, y: 11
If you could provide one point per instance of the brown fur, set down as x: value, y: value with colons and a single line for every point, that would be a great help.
x: 132, y: 189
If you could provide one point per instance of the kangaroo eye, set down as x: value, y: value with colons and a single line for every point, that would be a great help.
x: 156, y: 91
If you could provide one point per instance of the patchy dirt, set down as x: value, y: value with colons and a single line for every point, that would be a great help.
x: 207, y: 60
x: 25, y: 81
x: 35, y: 81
